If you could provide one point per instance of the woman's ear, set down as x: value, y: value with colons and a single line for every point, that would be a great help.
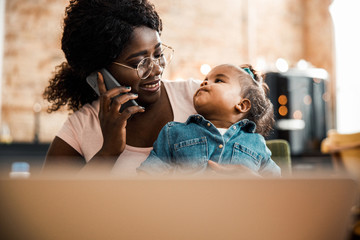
x: 243, y: 106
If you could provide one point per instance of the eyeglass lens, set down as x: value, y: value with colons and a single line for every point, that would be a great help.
x: 146, y: 65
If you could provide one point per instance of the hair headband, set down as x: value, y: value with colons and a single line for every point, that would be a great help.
x: 249, y: 72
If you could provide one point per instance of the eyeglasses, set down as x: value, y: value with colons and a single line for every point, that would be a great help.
x: 146, y: 65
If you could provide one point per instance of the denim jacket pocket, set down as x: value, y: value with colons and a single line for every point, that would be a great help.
x: 246, y: 156
x: 191, y: 153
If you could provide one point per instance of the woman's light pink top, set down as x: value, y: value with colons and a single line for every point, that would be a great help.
x: 82, y: 129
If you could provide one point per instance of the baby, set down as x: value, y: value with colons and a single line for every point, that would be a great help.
x: 234, y: 114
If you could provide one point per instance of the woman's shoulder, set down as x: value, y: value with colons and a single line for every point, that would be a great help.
x: 180, y: 94
x: 186, y: 85
x: 89, y: 109
x: 87, y: 114
x: 80, y: 127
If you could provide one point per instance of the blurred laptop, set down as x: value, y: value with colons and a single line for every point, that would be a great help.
x: 221, y: 208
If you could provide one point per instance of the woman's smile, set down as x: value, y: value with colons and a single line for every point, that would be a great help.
x: 152, y: 86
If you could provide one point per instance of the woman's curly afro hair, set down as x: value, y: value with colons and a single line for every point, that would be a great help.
x: 95, y: 33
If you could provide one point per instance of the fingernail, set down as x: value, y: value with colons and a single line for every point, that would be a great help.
x: 142, y: 107
x: 135, y: 95
x: 127, y: 87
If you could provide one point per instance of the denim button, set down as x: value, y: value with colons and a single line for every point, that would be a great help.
x: 221, y: 146
x: 208, y: 124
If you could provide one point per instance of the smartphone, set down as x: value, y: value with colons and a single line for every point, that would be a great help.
x: 110, y: 83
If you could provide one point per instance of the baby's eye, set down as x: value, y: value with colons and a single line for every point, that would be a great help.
x: 217, y: 80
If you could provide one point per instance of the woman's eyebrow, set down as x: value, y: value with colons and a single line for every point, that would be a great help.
x: 142, y: 52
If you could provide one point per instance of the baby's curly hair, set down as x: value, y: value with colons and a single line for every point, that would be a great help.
x: 95, y: 34
x: 262, y: 110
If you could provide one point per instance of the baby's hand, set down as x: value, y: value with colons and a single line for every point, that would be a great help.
x: 232, y: 169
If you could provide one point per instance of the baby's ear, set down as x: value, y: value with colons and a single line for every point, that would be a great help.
x: 243, y: 106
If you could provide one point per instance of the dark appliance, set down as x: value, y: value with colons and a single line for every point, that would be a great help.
x: 300, y: 106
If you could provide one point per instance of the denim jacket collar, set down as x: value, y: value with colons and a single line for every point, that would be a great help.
x: 246, y: 125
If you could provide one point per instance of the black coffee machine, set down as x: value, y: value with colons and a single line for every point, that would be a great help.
x: 300, y: 100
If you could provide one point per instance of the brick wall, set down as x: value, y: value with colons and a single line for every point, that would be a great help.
x: 202, y: 31
x: 32, y: 49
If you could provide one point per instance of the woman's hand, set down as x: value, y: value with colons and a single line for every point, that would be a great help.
x: 232, y: 169
x: 112, y: 122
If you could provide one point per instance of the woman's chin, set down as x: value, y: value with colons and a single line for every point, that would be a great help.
x: 148, y: 100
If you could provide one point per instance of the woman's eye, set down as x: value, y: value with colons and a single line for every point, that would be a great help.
x: 134, y: 65
x: 158, y: 55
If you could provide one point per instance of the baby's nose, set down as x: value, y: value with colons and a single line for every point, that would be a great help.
x: 204, y: 83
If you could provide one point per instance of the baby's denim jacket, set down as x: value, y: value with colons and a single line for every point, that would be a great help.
x: 186, y: 147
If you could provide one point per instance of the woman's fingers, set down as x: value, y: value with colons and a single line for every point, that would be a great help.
x: 107, y: 95
x: 102, y: 91
x: 101, y: 84
x: 126, y: 114
x: 118, y: 101
x: 115, y: 92
x: 112, y: 100
x: 107, y: 98
x: 112, y: 122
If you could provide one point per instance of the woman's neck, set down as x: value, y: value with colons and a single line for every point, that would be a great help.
x: 143, y: 128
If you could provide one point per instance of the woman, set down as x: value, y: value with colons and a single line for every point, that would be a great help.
x: 124, y: 37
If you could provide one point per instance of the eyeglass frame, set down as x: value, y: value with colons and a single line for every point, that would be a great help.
x: 156, y: 60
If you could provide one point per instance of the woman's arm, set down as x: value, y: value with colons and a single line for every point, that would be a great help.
x: 113, y: 126
x: 62, y: 158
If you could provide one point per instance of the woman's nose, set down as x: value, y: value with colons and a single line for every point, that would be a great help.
x: 157, y: 69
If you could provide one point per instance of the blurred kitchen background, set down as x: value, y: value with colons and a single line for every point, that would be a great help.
x: 308, y: 48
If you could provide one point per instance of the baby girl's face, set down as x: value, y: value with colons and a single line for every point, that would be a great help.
x: 220, y: 91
